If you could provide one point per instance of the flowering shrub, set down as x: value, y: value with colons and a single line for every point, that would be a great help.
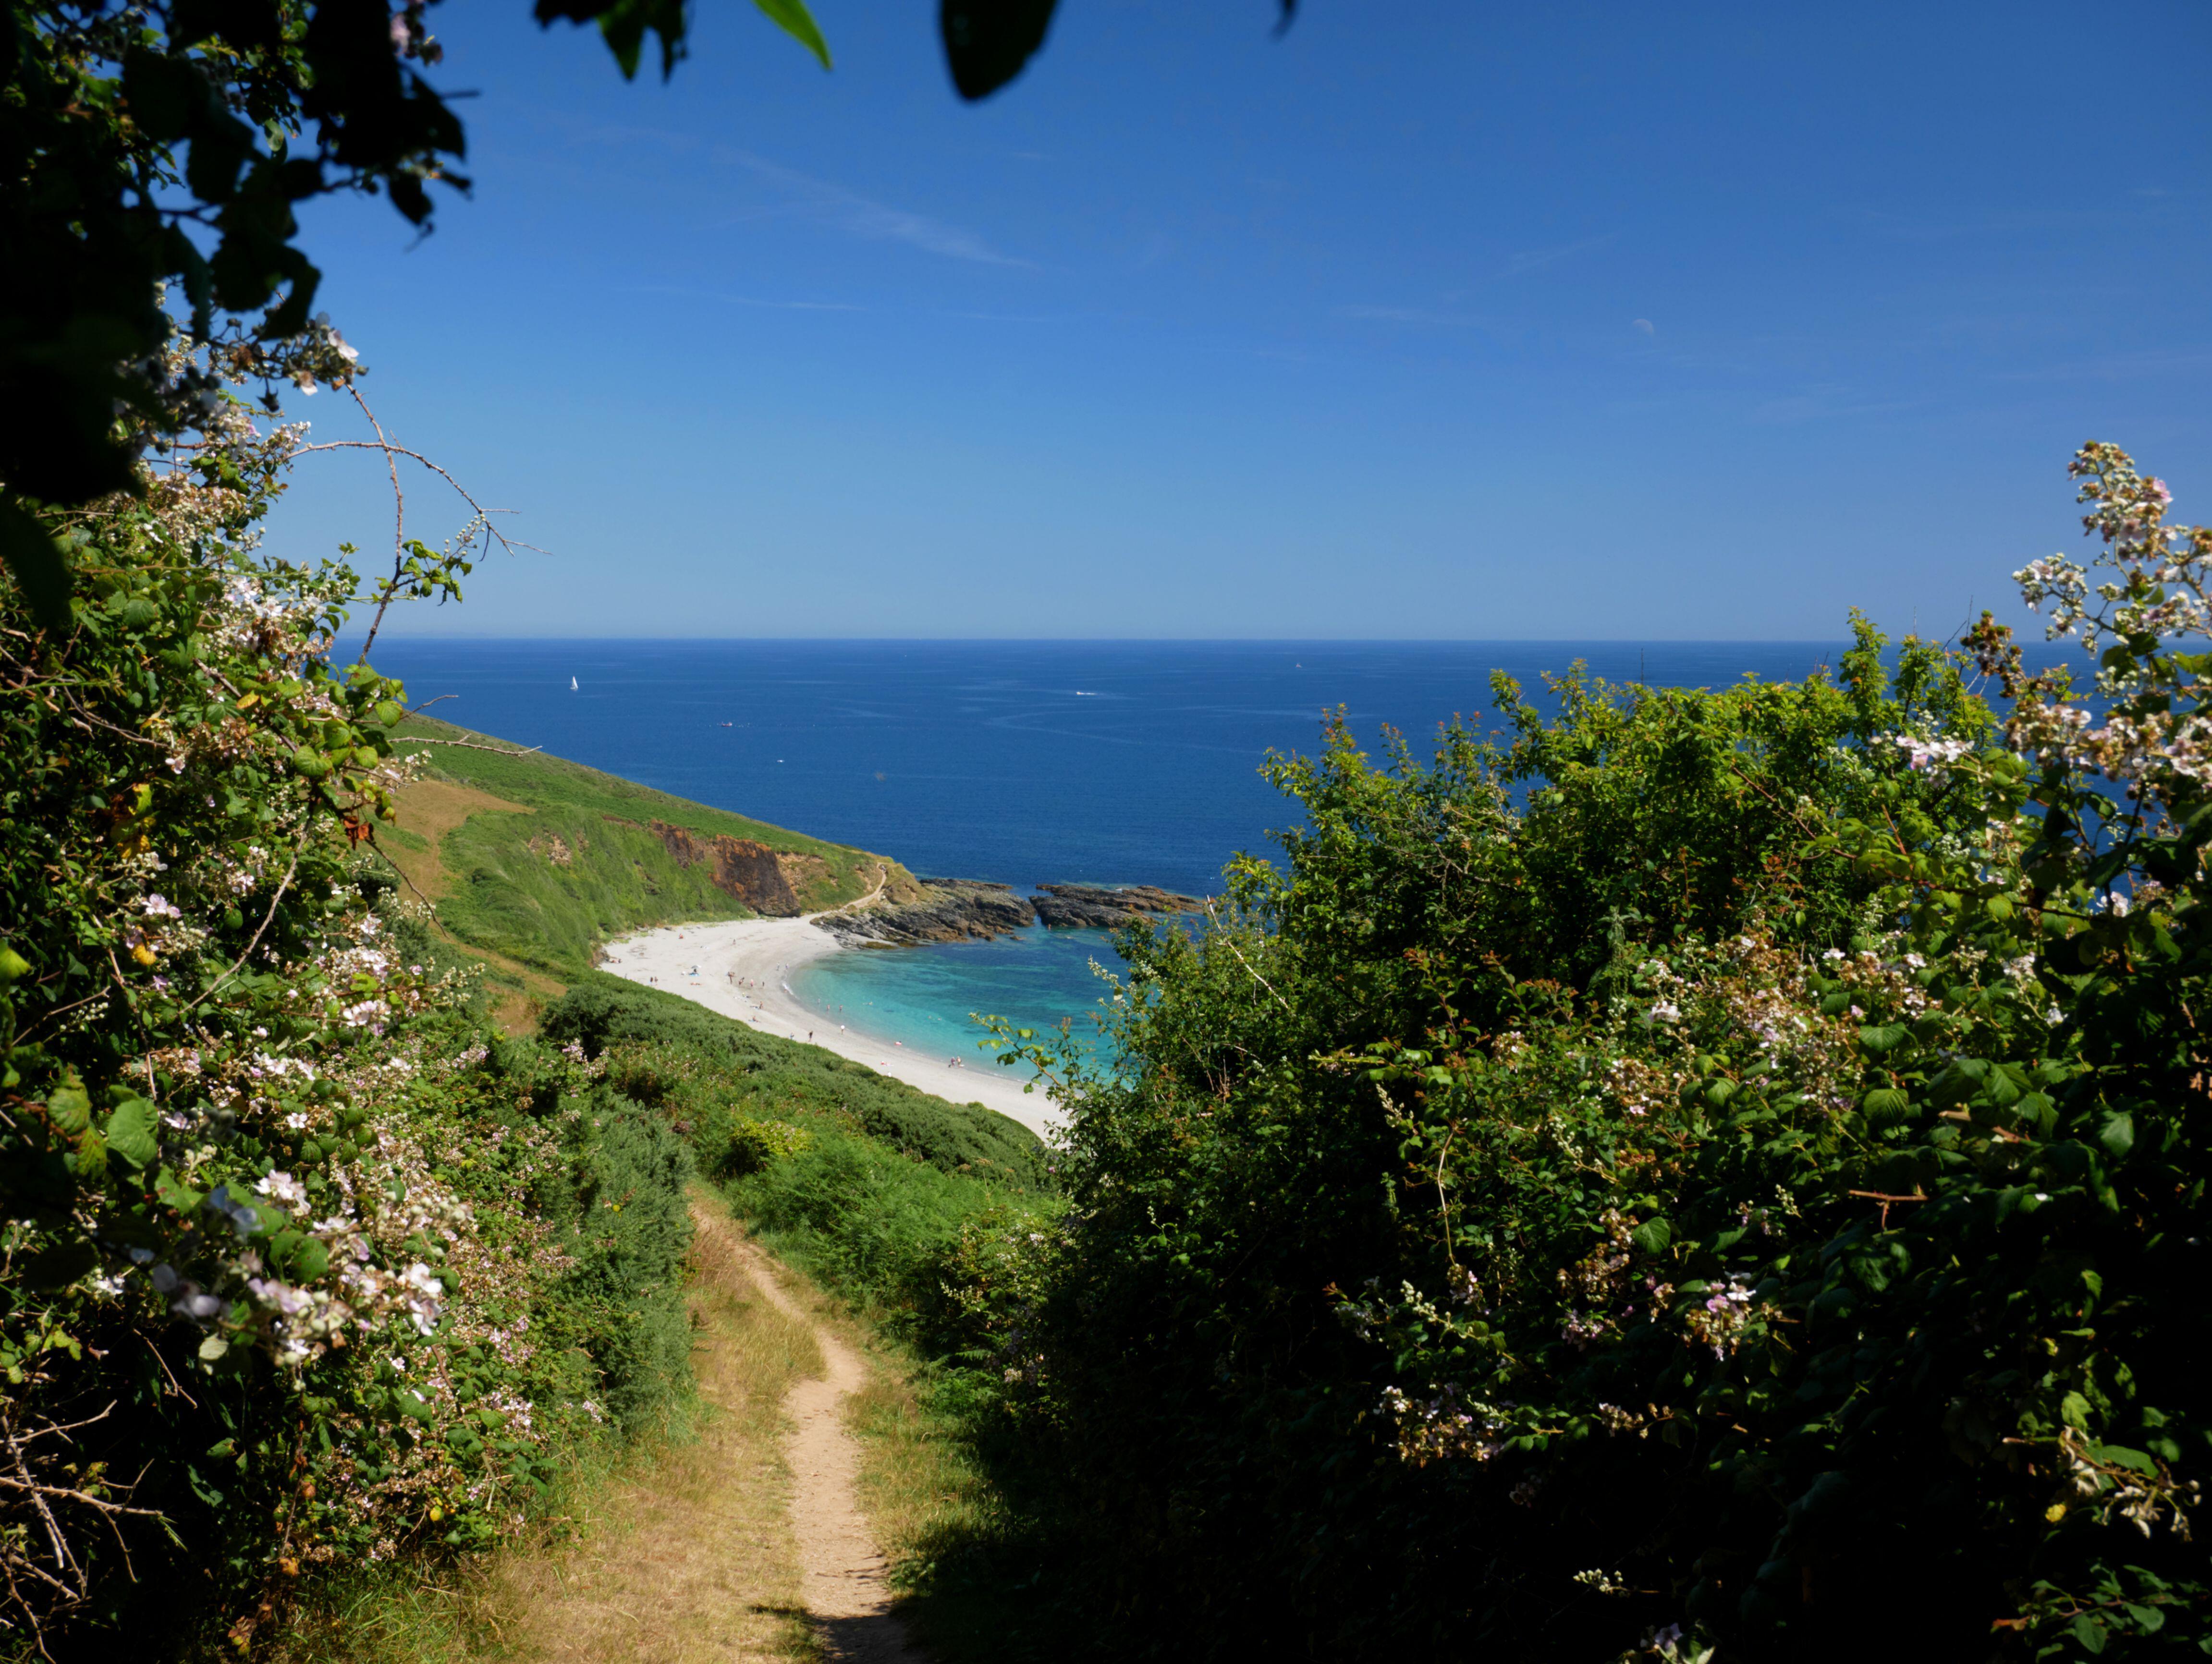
x: 299, y: 1265
x: 1739, y: 1199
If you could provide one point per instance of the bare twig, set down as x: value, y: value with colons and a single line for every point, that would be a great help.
x: 465, y: 745
x: 267, y: 919
x: 1242, y: 961
x: 391, y: 587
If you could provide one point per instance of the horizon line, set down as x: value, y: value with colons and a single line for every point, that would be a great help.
x: 1139, y: 640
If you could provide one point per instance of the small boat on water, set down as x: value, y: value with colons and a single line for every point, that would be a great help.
x: 572, y: 684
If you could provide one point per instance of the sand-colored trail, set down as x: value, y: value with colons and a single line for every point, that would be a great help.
x: 845, y: 1590
x: 745, y: 1542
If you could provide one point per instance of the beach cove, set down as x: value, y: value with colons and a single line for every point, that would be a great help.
x: 743, y: 968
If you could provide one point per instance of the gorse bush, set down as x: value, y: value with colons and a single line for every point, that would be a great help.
x: 1720, y: 1174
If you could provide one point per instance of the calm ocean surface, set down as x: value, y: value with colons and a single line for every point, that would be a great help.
x: 1023, y: 762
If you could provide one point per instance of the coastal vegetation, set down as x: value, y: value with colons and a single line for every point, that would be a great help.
x: 1719, y: 1174
x: 314, y: 1278
x: 1714, y: 1174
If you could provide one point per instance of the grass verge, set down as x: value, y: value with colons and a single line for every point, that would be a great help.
x: 675, y: 1550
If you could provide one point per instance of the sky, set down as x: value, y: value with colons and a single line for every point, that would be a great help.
x: 1425, y: 319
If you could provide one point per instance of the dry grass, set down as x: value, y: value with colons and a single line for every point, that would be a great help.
x: 920, y: 1488
x: 684, y: 1551
x: 688, y: 1557
x: 428, y: 810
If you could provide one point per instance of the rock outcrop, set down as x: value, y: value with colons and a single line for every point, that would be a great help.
x: 769, y: 882
x: 945, y: 910
x: 1070, y: 906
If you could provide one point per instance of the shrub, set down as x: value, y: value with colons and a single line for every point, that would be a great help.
x: 300, y: 1268
x: 1715, y: 1172
x: 731, y: 1072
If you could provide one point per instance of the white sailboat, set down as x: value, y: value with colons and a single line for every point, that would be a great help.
x: 572, y: 684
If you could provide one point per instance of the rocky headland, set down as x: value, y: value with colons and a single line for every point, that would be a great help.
x: 1071, y: 907
x: 944, y: 910
x: 969, y: 909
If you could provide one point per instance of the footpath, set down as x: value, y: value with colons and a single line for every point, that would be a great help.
x: 745, y: 1541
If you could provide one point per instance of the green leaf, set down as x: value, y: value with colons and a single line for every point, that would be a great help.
x: 130, y: 1132
x: 1887, y: 1038
x: 213, y: 1348
x: 2119, y: 1136
x: 175, y: 1193
x: 2090, y: 1633
x: 2121, y: 1456
x: 1886, y: 1105
x: 70, y: 1109
x: 1652, y: 1236
x: 988, y: 42
x: 795, y: 20
x: 37, y: 566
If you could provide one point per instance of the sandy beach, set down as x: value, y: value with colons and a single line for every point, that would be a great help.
x: 742, y: 968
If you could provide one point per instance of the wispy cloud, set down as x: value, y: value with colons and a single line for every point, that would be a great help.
x: 2139, y: 366
x: 746, y: 300
x: 1536, y: 259
x: 862, y: 216
x: 1823, y: 404
x: 1931, y: 228
x: 1410, y: 315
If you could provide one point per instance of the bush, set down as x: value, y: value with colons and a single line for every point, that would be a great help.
x: 301, y: 1268
x: 1712, y: 1177
x: 728, y: 1072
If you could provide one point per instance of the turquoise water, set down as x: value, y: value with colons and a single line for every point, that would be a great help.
x: 1024, y: 762
x: 923, y: 997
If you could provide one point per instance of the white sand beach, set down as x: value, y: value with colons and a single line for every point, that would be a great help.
x: 742, y: 969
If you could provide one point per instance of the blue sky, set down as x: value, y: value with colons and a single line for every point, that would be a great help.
x: 1429, y: 320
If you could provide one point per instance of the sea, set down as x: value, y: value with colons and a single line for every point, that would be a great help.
x: 1025, y: 762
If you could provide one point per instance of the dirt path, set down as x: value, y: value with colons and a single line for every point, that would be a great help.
x: 845, y: 1574
x: 743, y: 1542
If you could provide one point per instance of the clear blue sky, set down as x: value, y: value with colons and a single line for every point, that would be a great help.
x: 1427, y: 319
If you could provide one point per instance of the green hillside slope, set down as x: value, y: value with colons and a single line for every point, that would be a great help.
x: 539, y: 861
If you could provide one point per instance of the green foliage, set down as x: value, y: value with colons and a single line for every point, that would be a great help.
x: 713, y: 1074
x: 125, y: 131
x: 301, y: 1267
x: 1740, y: 1195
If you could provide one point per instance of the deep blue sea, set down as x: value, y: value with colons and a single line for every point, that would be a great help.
x: 1023, y: 762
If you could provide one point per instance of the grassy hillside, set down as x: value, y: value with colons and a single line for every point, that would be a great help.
x: 535, y: 862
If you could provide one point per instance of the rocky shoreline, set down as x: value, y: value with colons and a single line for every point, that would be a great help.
x: 975, y: 909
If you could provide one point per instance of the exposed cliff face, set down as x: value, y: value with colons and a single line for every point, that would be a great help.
x: 1069, y: 907
x: 770, y: 881
x: 939, y: 910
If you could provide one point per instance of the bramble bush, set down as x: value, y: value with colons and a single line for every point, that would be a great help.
x: 1720, y: 1174
x: 303, y: 1267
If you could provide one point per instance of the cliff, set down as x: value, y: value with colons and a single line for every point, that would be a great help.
x: 768, y: 881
